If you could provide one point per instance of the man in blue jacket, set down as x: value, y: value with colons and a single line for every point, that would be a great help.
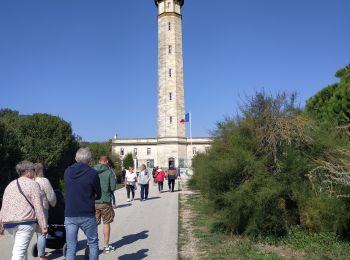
x: 82, y: 187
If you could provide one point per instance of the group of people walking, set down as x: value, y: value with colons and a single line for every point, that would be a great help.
x: 89, y: 192
x: 143, y: 179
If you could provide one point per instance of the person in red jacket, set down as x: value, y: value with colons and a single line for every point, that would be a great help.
x: 160, y: 176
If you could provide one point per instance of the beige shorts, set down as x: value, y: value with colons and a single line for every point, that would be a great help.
x: 104, y: 211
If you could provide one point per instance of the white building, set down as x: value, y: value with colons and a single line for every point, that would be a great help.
x: 171, y: 147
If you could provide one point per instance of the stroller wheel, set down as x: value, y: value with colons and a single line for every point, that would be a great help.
x: 34, y: 250
x: 64, y: 250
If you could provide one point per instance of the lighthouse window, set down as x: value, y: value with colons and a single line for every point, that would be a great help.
x: 169, y: 73
x: 170, y: 96
x: 194, y: 150
x: 169, y: 5
x: 169, y: 26
x: 171, y: 119
x: 170, y: 49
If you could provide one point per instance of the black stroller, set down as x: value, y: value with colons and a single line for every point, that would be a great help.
x: 56, y: 237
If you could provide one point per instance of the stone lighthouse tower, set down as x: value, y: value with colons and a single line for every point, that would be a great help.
x: 170, y: 147
x: 170, y: 69
x: 171, y: 104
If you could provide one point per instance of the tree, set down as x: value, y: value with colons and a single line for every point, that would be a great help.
x: 332, y: 104
x: 98, y: 149
x: 10, y: 155
x: 128, y: 161
x: 104, y: 148
x: 44, y: 138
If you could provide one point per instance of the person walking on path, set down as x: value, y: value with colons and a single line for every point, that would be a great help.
x: 82, y: 187
x: 160, y: 176
x: 103, y: 205
x: 130, y: 182
x: 49, y: 199
x: 144, y: 179
x: 22, y: 208
x: 171, y: 178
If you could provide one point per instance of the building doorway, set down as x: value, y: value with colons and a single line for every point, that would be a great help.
x: 171, y: 162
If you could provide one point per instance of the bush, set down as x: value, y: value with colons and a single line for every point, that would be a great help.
x: 259, y: 173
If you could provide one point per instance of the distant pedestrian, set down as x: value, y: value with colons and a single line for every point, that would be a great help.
x: 103, y: 205
x: 82, y: 187
x: 154, y: 173
x: 49, y: 199
x: 160, y: 176
x: 171, y: 176
x: 22, y: 208
x: 130, y: 183
x: 144, y: 179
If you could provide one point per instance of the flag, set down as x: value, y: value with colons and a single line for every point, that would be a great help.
x: 186, y: 119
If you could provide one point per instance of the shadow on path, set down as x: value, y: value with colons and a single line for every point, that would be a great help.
x: 153, y: 198
x: 129, y: 239
x: 81, y: 245
x: 138, y: 255
x: 124, y: 205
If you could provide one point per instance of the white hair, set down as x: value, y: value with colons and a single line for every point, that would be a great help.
x: 24, y: 166
x: 83, y: 155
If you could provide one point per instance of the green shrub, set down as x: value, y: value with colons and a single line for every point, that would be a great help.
x: 262, y: 173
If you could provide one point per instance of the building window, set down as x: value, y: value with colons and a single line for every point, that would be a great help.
x: 207, y: 148
x: 170, y: 73
x: 122, y: 151
x: 148, y: 151
x: 194, y: 150
x: 169, y: 49
x: 169, y: 5
x: 171, y: 119
x: 135, y: 151
x: 181, y: 163
x: 169, y: 26
x: 150, y: 164
x: 170, y: 96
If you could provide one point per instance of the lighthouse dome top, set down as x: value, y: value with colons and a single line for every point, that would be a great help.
x: 181, y: 2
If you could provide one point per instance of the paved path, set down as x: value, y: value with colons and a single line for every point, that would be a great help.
x: 141, y: 230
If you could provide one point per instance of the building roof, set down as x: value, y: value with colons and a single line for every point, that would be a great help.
x: 180, y: 1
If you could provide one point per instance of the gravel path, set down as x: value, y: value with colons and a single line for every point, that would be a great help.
x: 141, y: 230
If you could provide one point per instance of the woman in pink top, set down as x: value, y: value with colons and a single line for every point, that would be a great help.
x: 22, y: 209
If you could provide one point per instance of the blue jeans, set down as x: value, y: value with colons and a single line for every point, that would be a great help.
x: 144, y: 191
x: 41, y: 245
x: 89, y: 227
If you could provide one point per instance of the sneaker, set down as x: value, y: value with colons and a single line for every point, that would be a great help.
x: 108, y: 249
x: 115, y: 207
x: 128, y: 200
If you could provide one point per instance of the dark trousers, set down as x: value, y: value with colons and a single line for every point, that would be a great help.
x: 160, y: 186
x: 171, y: 184
x: 132, y: 189
x: 144, y: 191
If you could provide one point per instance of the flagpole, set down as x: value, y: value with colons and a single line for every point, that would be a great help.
x: 191, y: 132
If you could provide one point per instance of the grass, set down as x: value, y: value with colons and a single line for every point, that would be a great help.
x: 298, y: 244
x: 217, y: 245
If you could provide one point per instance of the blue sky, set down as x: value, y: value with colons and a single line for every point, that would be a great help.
x: 94, y: 63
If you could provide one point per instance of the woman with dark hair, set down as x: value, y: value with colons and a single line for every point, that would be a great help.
x: 22, y: 209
